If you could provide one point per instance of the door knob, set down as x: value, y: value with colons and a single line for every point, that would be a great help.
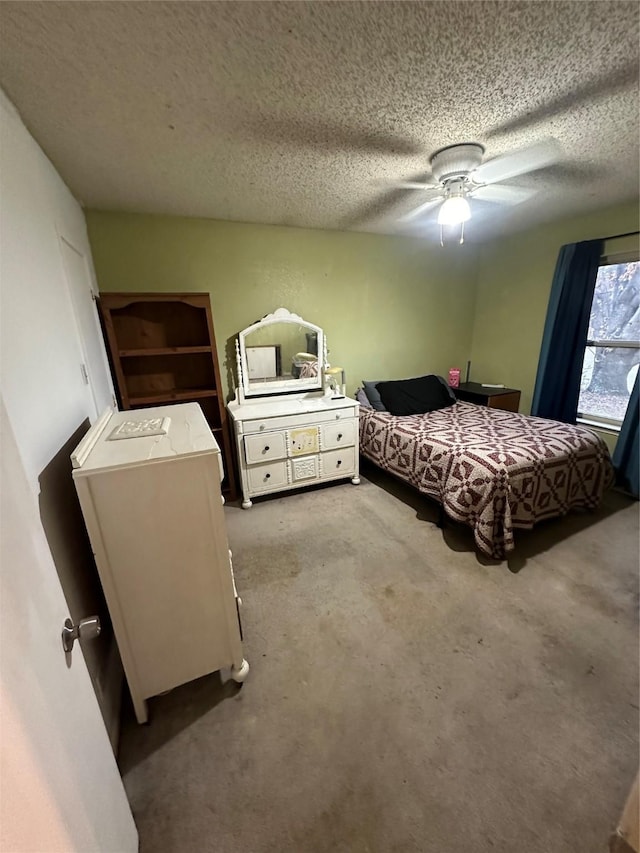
x: 86, y: 629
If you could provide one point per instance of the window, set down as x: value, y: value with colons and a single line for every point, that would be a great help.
x: 612, y: 353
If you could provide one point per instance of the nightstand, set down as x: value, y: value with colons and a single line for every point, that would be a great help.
x: 496, y: 398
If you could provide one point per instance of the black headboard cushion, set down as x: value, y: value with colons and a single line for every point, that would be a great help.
x: 415, y: 396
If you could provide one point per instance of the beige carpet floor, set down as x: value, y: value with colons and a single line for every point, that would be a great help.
x: 404, y: 694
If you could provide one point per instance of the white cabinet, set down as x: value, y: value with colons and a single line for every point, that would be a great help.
x: 149, y: 487
x: 292, y: 428
x: 287, y: 442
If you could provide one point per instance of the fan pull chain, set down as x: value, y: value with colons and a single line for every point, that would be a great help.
x: 460, y: 241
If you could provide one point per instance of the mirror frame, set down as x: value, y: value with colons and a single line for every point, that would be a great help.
x: 262, y: 389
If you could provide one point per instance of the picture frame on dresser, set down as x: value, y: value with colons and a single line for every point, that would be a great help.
x: 291, y: 430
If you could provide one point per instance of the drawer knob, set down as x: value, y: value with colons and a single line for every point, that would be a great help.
x: 261, y: 427
x: 339, y: 436
x: 266, y: 448
x: 337, y: 417
x: 266, y: 476
x: 339, y: 462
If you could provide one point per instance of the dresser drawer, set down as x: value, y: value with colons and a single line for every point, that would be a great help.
x: 308, y: 419
x: 338, y: 434
x: 336, y: 463
x: 304, y: 468
x: 272, y: 475
x: 262, y: 448
x: 303, y: 441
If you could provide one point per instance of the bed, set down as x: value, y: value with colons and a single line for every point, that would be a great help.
x: 490, y: 469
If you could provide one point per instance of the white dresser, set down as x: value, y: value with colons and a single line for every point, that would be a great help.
x: 295, y: 441
x: 292, y: 427
x: 149, y: 487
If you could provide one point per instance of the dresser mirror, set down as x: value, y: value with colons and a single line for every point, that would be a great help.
x: 282, y: 353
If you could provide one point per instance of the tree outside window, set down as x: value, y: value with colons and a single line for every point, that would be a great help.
x: 612, y: 353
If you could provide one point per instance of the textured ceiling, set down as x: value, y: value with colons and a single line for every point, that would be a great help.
x: 303, y: 114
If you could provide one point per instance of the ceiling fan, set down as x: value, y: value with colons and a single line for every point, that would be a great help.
x: 459, y: 174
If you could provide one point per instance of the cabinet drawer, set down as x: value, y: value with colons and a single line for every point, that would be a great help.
x: 507, y: 402
x: 335, y: 463
x: 303, y: 441
x: 304, y: 468
x: 308, y: 419
x: 262, y: 448
x: 339, y: 434
x: 273, y: 475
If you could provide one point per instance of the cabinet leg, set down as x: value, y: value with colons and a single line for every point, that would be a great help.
x: 239, y: 673
x: 247, y: 504
x: 355, y: 481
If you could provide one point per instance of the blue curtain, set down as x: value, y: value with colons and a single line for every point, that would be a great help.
x: 625, y: 457
x: 565, y: 333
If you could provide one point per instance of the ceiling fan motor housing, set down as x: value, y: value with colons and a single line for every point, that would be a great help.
x: 456, y: 161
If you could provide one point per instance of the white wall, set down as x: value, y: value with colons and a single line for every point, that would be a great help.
x: 40, y: 353
x: 48, y: 329
x: 60, y: 784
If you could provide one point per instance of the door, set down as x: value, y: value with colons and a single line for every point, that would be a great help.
x: 61, y: 789
x: 96, y: 367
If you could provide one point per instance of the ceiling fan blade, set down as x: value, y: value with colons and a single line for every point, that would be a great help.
x: 598, y: 88
x: 413, y: 214
x: 518, y: 162
x: 329, y: 136
x: 375, y: 209
x: 499, y: 194
x: 414, y: 185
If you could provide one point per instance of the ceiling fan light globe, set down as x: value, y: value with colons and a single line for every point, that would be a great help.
x: 454, y: 211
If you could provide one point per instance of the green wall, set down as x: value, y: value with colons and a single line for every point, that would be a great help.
x: 390, y: 306
x: 513, y: 284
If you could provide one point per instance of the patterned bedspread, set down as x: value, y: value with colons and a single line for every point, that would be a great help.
x: 490, y: 469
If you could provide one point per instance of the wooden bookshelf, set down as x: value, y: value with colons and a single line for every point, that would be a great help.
x: 162, y: 350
